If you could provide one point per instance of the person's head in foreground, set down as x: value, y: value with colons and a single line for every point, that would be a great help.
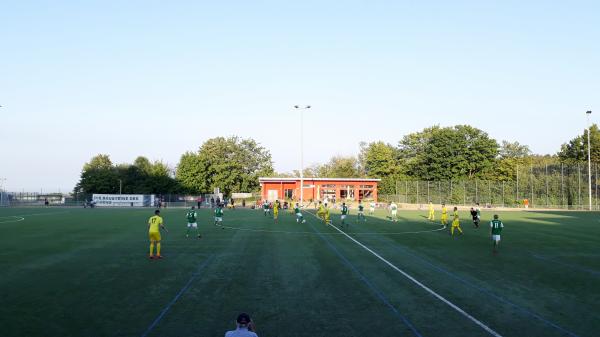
x: 495, y: 216
x: 157, y: 212
x: 245, y: 327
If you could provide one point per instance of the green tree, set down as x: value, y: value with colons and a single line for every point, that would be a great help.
x: 457, y: 152
x: 576, y: 149
x: 231, y: 164
x: 98, y: 176
x: 381, y: 160
x: 511, y: 156
x: 341, y: 167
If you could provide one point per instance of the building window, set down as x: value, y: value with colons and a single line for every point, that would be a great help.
x: 327, y: 194
x: 288, y: 194
x: 365, y: 195
x: 347, y: 192
x: 366, y: 187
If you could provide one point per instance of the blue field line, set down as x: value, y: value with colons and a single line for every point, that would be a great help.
x: 587, y: 270
x: 481, y: 289
x: 371, y: 286
x: 179, y: 294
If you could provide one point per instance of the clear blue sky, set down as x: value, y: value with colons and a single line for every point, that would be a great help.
x: 157, y: 78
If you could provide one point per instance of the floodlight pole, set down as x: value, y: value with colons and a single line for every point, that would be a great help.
x: 301, y: 108
x: 120, y: 185
x: 588, y: 113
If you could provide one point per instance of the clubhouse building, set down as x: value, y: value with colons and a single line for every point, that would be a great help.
x: 342, y: 189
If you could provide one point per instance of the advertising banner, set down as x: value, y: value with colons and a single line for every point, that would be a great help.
x: 123, y: 200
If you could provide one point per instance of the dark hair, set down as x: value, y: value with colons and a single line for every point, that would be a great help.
x: 157, y: 212
x: 243, y: 319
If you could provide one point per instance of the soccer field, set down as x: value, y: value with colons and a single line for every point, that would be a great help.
x: 85, y: 272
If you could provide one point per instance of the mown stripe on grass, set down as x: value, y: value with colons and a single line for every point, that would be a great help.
x: 179, y: 294
x: 417, y: 282
x: 479, y: 288
x: 370, y: 285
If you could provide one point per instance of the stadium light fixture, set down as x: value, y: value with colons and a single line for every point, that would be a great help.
x: 302, y: 108
x: 588, y: 113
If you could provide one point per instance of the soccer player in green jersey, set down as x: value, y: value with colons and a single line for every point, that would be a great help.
x: 394, y: 212
x: 219, y: 215
x: 344, y: 214
x: 495, y: 230
x: 266, y: 208
x: 299, y: 217
x: 361, y: 211
x: 191, y: 219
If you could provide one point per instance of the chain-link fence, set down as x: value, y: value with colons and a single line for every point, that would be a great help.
x: 551, y: 186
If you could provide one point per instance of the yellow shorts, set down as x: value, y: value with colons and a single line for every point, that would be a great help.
x: 154, y: 236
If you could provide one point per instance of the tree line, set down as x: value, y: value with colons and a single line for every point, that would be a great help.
x: 233, y: 164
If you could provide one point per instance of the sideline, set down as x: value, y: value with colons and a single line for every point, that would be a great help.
x: 415, y: 281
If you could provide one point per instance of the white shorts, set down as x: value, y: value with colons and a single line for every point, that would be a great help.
x: 298, y: 214
x: 496, y: 238
x: 266, y: 210
x: 372, y: 210
x: 218, y: 219
x: 394, y: 213
x: 361, y: 213
x: 343, y: 217
x: 195, y: 225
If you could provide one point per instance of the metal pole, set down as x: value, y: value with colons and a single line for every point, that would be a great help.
x: 120, y: 186
x: 464, y: 192
x: 517, y: 182
x: 428, y: 198
x: 476, y: 192
x: 531, y: 182
x: 490, y: 191
x: 417, y: 192
x: 503, y: 194
x: 579, y: 185
x: 302, y: 150
x: 546, y: 185
x: 2, y: 180
x: 562, y: 185
x: 588, y: 113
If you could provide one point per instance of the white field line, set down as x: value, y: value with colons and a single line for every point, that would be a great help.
x: 415, y: 281
x: 19, y: 218
x: 14, y: 219
x: 313, y: 233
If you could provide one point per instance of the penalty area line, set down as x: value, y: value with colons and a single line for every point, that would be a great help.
x: 424, y: 287
x: 179, y: 294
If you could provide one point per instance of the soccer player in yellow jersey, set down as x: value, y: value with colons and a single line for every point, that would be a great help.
x: 444, y: 215
x: 431, y: 216
x: 275, y: 210
x: 321, y: 211
x: 326, y: 215
x: 155, y: 223
x: 455, y: 223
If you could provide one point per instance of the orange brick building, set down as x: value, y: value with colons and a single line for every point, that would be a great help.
x: 342, y: 189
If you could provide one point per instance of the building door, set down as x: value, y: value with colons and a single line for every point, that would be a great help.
x: 272, y: 195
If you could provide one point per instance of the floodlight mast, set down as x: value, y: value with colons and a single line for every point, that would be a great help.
x: 301, y: 108
x: 588, y: 113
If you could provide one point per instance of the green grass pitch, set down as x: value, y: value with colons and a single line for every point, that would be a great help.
x: 85, y: 272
